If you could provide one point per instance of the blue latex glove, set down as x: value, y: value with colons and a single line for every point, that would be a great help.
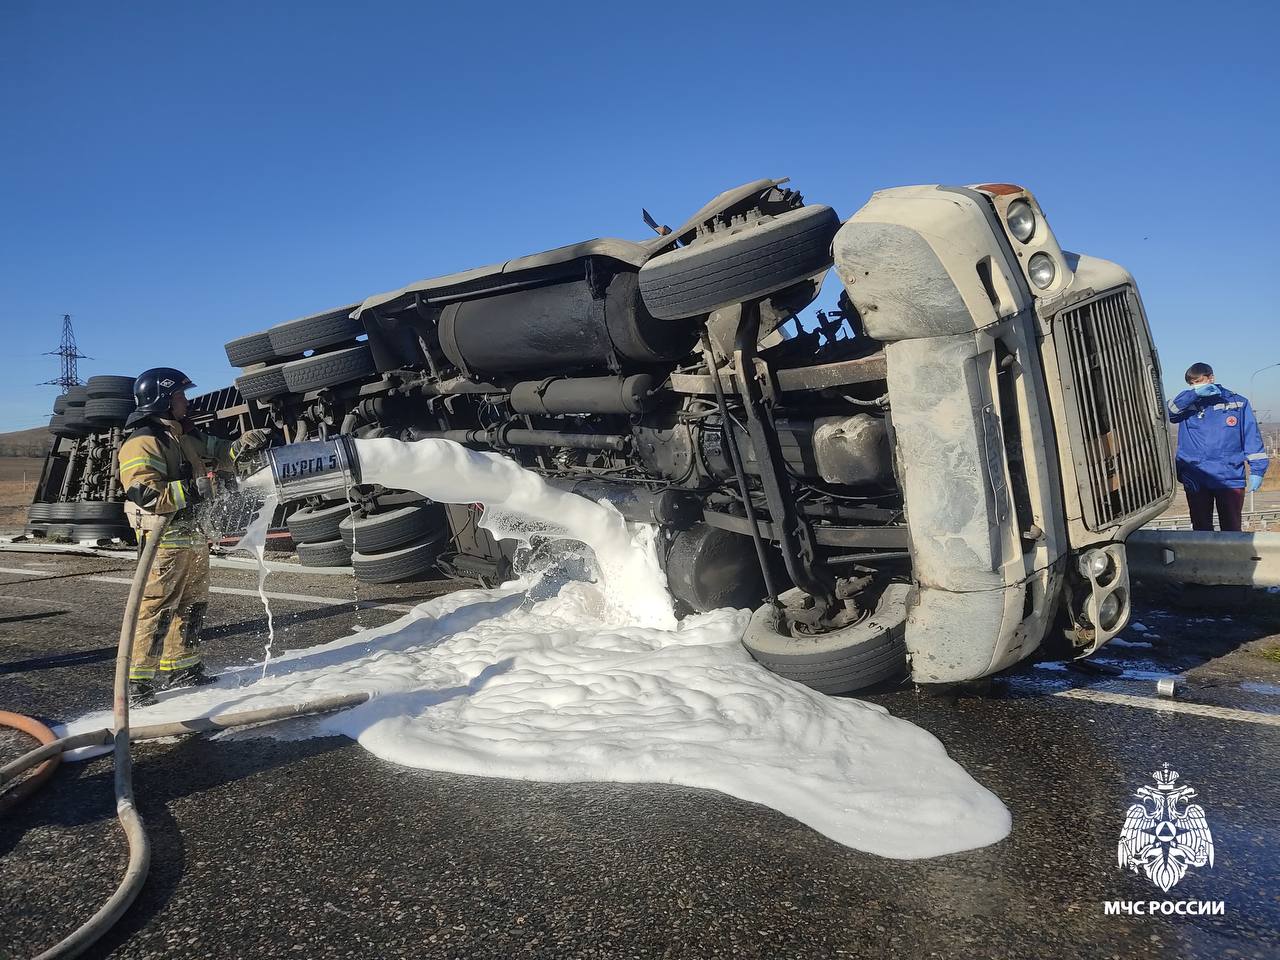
x: 1255, y: 481
x: 1207, y: 390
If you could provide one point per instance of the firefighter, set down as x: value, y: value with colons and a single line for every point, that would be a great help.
x: 167, y: 467
x: 1217, y: 436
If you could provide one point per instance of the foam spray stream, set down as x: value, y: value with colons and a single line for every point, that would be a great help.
x: 255, y: 541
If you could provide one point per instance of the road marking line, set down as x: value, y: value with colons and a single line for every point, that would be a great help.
x: 1171, y: 706
x: 25, y: 573
x: 295, y: 597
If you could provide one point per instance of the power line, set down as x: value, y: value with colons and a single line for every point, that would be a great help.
x: 70, y: 353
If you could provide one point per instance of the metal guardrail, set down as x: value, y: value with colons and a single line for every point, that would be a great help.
x: 1208, y: 557
x: 1257, y: 519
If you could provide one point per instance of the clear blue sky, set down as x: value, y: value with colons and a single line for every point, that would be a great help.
x: 175, y: 175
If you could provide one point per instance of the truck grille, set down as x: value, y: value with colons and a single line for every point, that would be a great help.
x: 1115, y: 409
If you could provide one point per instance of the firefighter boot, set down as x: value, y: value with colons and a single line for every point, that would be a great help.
x: 142, y: 693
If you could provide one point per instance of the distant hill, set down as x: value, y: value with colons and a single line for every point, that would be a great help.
x: 26, y: 443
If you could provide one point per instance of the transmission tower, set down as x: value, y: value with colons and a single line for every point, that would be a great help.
x: 69, y: 353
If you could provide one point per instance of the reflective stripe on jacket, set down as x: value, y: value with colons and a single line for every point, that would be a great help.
x: 156, y: 459
x: 1216, y: 436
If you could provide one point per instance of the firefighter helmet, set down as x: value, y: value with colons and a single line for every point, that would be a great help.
x: 153, y: 391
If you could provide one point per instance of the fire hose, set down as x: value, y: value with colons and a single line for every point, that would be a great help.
x: 46, y: 757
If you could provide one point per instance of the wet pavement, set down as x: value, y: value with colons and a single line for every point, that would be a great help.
x: 314, y: 848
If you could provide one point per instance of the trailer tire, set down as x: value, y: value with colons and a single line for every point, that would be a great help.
x: 325, y: 553
x: 40, y: 512
x: 99, y: 512
x: 329, y: 369
x: 864, y: 653
x: 756, y: 260
x: 103, y: 387
x: 76, y: 396
x: 60, y: 403
x: 316, y: 525
x: 100, y: 531
x: 59, y: 427
x: 246, y: 351
x: 108, y: 411
x: 403, y: 563
x: 55, y: 530
x: 311, y: 333
x: 394, y: 528
x: 35, y: 528
x: 262, y: 384
x: 62, y: 512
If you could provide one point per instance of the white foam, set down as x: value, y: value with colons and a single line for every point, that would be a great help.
x: 254, y: 541
x: 599, y: 683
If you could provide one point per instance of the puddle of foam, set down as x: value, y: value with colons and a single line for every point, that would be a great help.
x: 598, y: 682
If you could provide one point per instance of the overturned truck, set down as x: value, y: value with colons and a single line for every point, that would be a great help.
x: 933, y: 476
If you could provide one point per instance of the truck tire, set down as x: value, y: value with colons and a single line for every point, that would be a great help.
x: 74, y: 419
x: 246, y: 351
x: 310, y: 333
x: 312, y: 525
x: 40, y: 512
x: 403, y: 563
x: 62, y: 512
x: 329, y: 369
x: 759, y: 259
x: 54, y: 531
x: 326, y: 553
x: 59, y: 427
x: 35, y: 528
x: 867, y: 652
x: 99, y: 512
x: 262, y: 384
x: 394, y: 528
x: 100, y: 531
x: 76, y: 396
x: 107, y: 386
x: 108, y: 411
x: 60, y: 403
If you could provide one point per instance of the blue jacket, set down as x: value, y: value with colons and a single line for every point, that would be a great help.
x: 1216, y: 435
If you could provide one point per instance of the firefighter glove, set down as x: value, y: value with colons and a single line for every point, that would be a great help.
x: 251, y: 441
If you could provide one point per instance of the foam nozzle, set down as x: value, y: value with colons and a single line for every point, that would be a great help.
x: 314, y: 467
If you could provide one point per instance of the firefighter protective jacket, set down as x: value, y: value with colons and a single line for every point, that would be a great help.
x: 1216, y: 435
x: 157, y: 463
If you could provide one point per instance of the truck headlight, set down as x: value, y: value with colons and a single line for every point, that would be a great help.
x: 1022, y: 220
x: 1042, y: 270
x: 1095, y: 565
x: 1110, y: 609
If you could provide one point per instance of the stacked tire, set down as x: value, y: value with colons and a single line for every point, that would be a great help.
x: 101, y: 404
x: 298, y: 356
x: 109, y: 403
x: 314, y: 529
x: 79, y: 521
x: 402, y: 542
x: 68, y: 420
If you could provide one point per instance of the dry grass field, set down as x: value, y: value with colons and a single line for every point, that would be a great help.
x: 18, y: 478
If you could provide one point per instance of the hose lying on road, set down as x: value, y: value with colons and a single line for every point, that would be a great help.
x: 33, y: 728
x: 50, y: 753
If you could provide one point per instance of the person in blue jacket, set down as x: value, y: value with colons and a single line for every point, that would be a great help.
x: 1217, y: 436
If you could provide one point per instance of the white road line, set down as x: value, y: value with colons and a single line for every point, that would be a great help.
x: 25, y: 573
x: 1171, y: 706
x: 295, y: 597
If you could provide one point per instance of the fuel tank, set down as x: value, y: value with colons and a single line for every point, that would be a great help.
x: 595, y: 323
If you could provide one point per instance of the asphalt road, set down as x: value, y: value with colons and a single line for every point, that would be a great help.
x: 313, y: 848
